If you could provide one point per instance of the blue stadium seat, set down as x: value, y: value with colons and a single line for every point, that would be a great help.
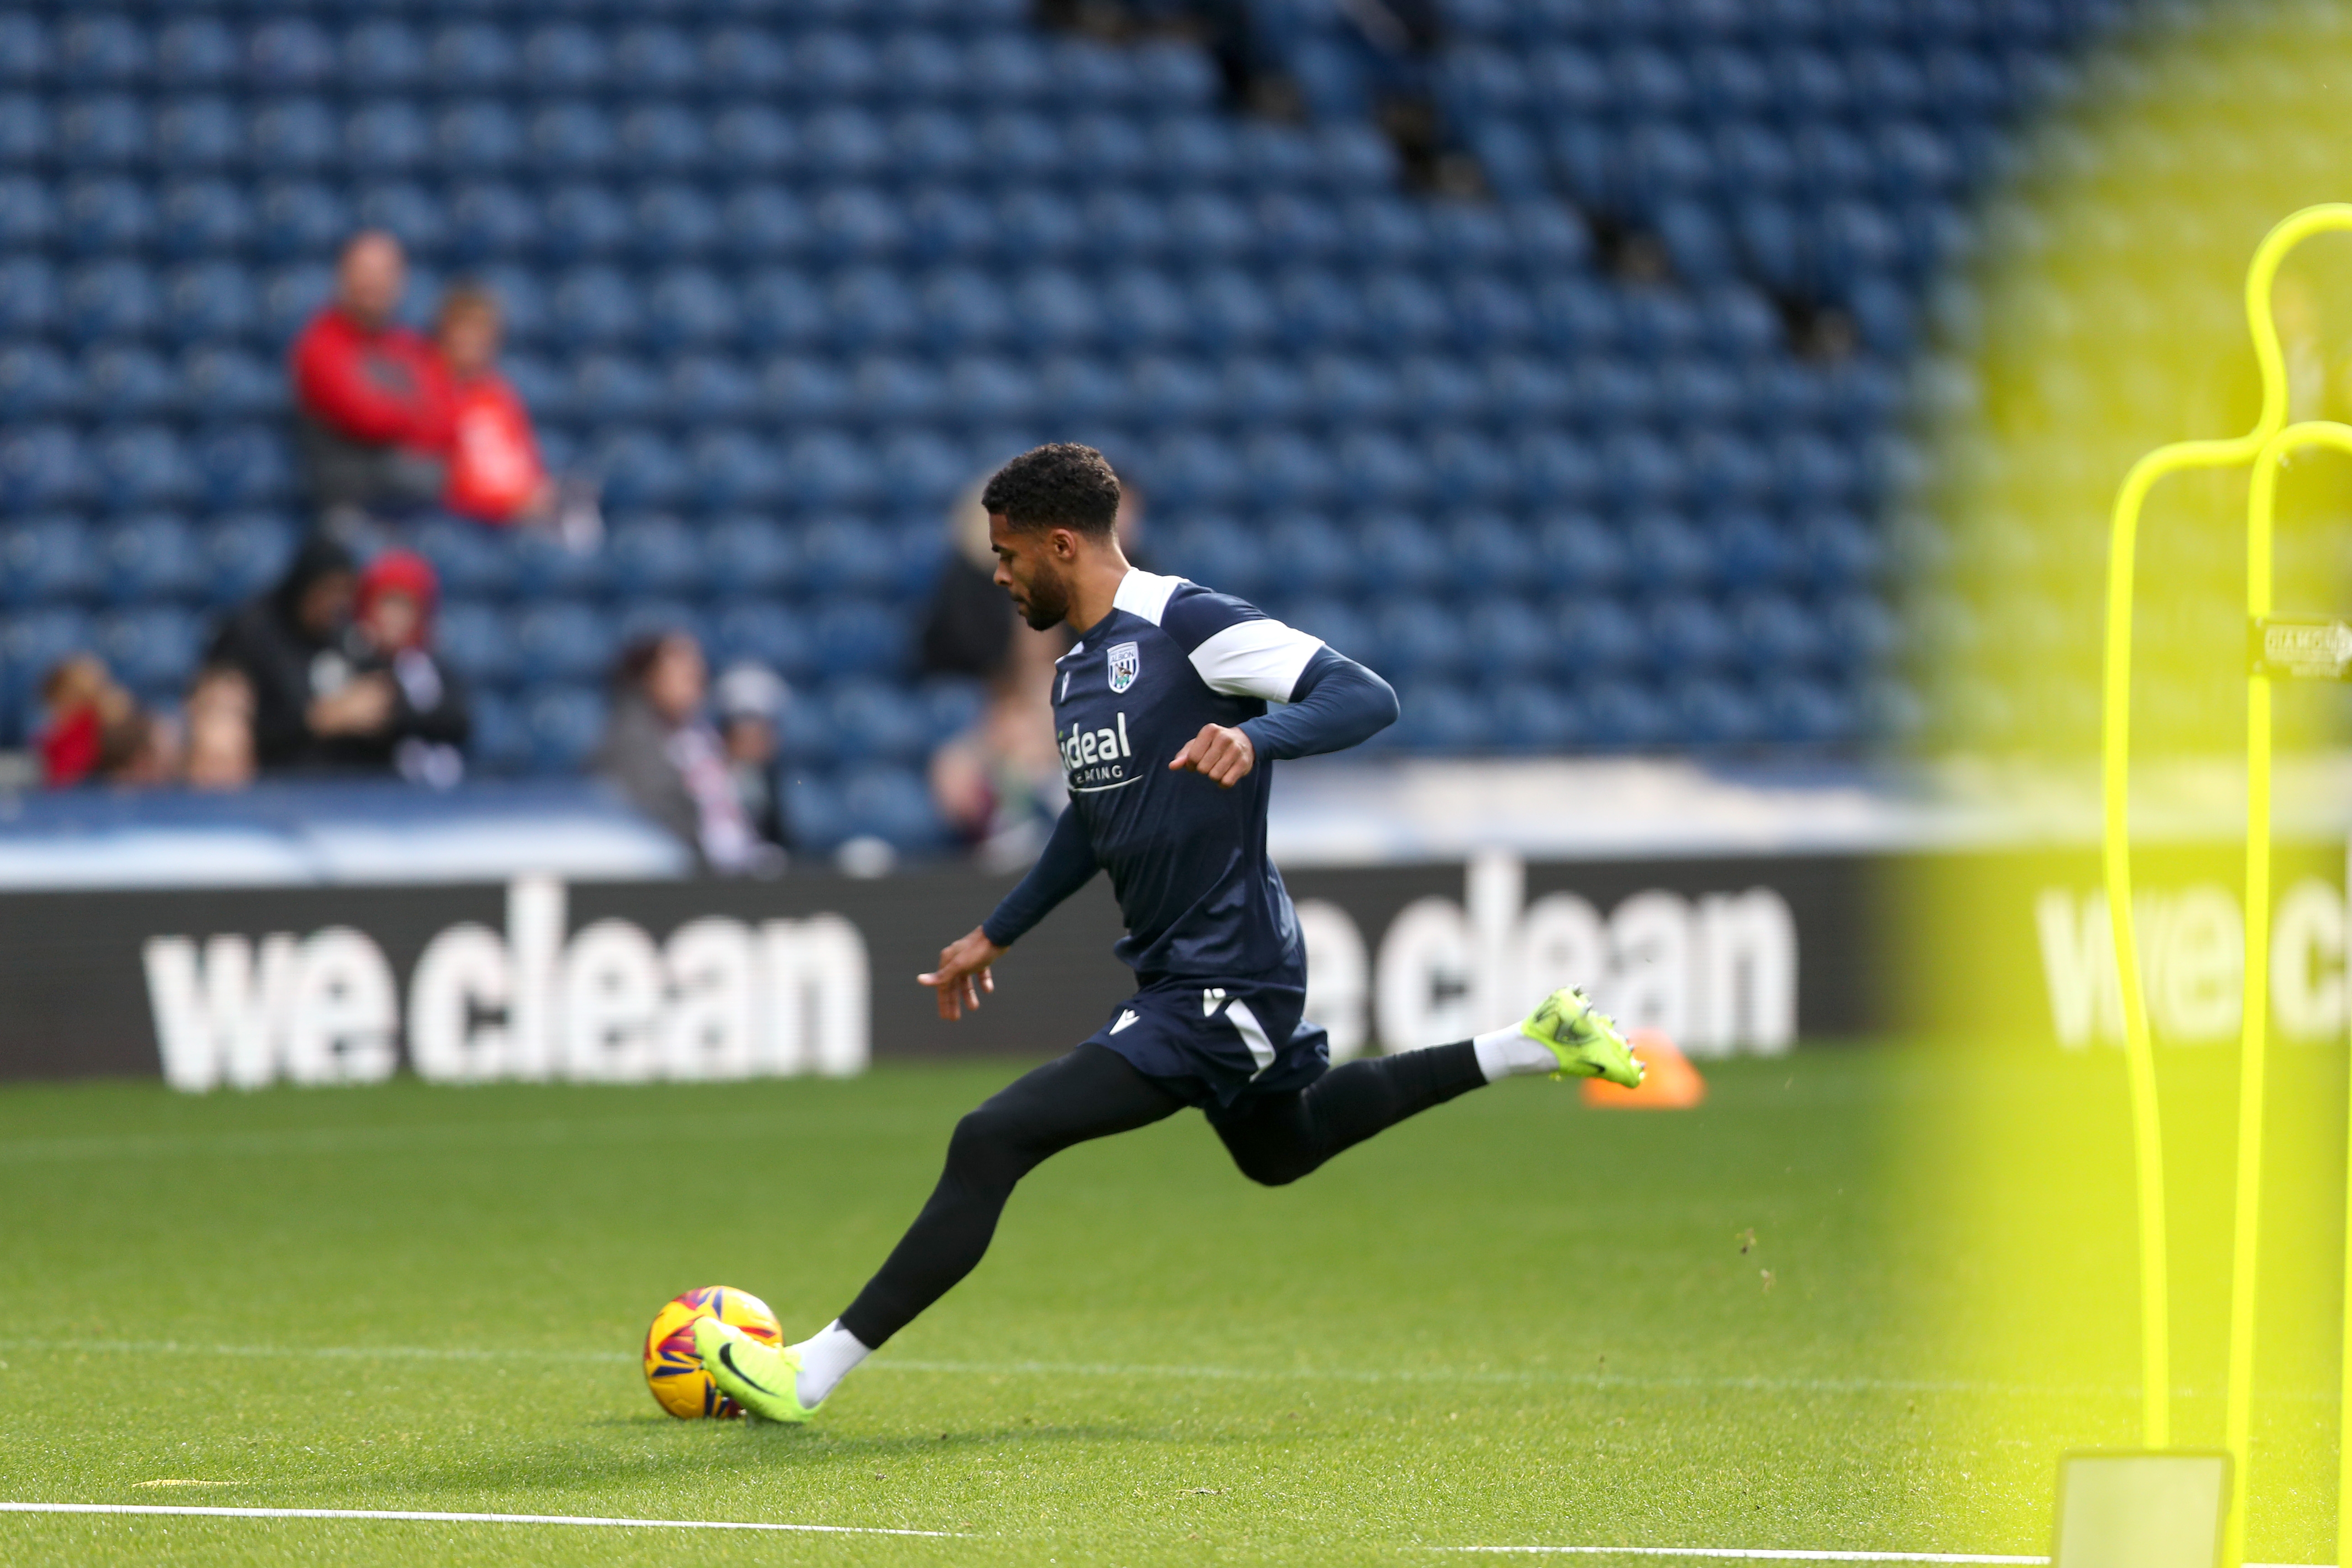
x: 920, y: 473
x: 819, y: 821
x: 1838, y: 552
x: 595, y: 305
x: 47, y: 560
x: 472, y: 57
x: 873, y: 721
x: 1381, y: 468
x: 733, y: 469
x: 43, y: 465
x: 300, y: 221
x: 25, y: 129
x: 1709, y: 712
x: 388, y: 136
x: 690, y: 307
x: 109, y: 130
x: 1007, y: 67
x: 489, y: 220
x: 1307, y: 554
x: 565, y: 57
x: 1056, y: 309
x: 563, y: 640
x: 750, y: 554
x: 755, y: 140
x: 664, y: 138
x: 293, y: 135
x: 1397, y: 551
x: 765, y: 632
x: 1750, y: 550
x: 582, y: 221
x: 1316, y: 307
x: 570, y: 137
x: 765, y: 224
x: 196, y: 52
x: 1577, y: 315
x: 893, y: 804
x: 499, y: 746
x: 198, y: 134
x: 828, y: 471
x: 798, y: 388
x: 564, y: 723
x: 1555, y: 470
x: 1338, y: 623
x: 872, y: 310
x: 474, y: 562
x: 101, y: 49
x: 476, y: 138
x: 129, y: 381
x: 152, y: 649
x: 641, y: 469
x: 245, y: 553
x: 657, y: 554
x: 656, y: 58
x: 854, y: 224
x: 1440, y: 717
x: 383, y: 55
x: 35, y: 384
x: 203, y: 218
x: 1805, y: 712
x: 1534, y: 717
x: 209, y: 302
x: 856, y: 638
x: 100, y: 215
x: 708, y: 388
x: 1580, y: 553
x: 25, y: 52
x: 844, y: 554
x: 890, y: 389
x: 1774, y: 633
x: 643, y: 617
x: 115, y: 299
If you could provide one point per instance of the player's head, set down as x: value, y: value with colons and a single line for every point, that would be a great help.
x: 1048, y: 509
x: 371, y: 276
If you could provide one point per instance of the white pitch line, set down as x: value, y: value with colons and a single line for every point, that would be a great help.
x: 422, y: 1516
x: 1772, y: 1554
x: 1758, y: 1555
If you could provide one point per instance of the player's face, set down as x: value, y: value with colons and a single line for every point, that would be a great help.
x: 1030, y: 566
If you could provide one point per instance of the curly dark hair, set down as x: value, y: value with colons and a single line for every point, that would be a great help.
x: 1061, y: 486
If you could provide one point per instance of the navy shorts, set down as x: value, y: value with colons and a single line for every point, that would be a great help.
x: 1218, y: 1043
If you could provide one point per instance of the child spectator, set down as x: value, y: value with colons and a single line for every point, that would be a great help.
x: 220, y: 729
x: 495, y: 471
x: 425, y: 741
x: 83, y: 700
x: 372, y: 400
x: 751, y: 701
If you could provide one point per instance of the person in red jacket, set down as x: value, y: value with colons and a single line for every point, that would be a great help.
x: 372, y: 400
x: 496, y: 474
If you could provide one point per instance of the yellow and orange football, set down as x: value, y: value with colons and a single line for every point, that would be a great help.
x: 673, y: 1372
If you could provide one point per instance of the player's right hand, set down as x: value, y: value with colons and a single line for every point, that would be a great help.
x: 963, y: 973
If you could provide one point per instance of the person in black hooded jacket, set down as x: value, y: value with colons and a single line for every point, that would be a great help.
x: 312, y: 696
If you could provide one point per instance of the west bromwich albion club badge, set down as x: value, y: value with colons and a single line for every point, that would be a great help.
x: 1126, y: 661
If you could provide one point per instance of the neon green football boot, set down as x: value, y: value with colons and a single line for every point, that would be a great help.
x: 762, y: 1378
x: 1584, y: 1038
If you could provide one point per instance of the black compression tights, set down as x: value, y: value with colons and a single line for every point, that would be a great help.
x: 1093, y: 1092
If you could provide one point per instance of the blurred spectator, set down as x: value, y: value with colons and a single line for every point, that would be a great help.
x: 83, y: 700
x: 140, y: 751
x: 968, y: 627
x: 751, y: 700
x: 431, y: 719
x: 663, y: 754
x: 219, y: 749
x: 1000, y: 784
x: 1129, y: 526
x: 496, y: 473
x: 314, y: 707
x: 372, y: 401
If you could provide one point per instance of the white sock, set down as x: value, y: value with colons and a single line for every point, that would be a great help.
x: 827, y: 1356
x: 1508, y: 1053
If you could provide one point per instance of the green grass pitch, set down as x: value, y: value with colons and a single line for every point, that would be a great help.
x: 1512, y: 1322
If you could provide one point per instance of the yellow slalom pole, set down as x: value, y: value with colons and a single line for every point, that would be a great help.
x: 2237, y: 1426
x: 2148, y: 1141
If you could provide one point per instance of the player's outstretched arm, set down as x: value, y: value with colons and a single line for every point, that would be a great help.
x: 963, y: 973
x: 1067, y: 865
x: 1336, y: 702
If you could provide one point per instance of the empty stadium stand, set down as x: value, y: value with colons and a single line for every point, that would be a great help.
x: 787, y: 274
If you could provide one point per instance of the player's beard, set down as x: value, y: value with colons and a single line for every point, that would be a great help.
x: 1046, y: 603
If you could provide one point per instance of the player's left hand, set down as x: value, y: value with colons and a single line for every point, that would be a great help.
x: 963, y: 973
x: 1218, y: 753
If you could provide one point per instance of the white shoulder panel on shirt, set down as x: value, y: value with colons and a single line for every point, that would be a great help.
x: 1145, y: 593
x: 1262, y: 659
